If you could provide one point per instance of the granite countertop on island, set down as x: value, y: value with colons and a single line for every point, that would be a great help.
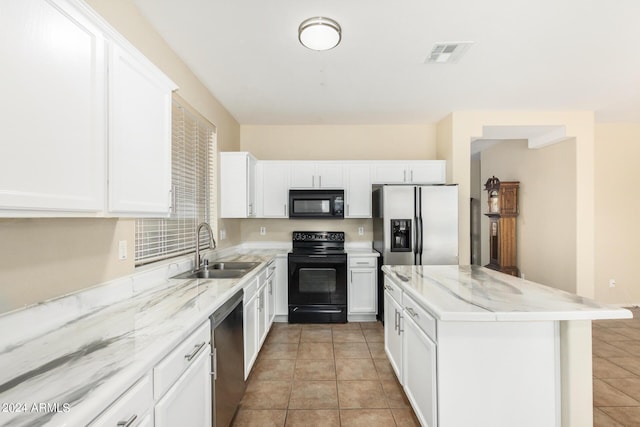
x: 90, y: 360
x: 474, y: 293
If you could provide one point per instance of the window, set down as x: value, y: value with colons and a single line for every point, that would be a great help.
x: 193, y: 146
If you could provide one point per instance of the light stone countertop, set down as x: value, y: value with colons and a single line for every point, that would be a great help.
x: 91, y: 359
x: 473, y: 293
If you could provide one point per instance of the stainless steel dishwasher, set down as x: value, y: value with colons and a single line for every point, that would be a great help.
x: 227, y: 360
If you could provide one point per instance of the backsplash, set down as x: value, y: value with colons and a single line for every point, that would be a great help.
x: 279, y: 230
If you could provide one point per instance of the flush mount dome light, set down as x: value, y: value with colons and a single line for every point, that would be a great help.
x: 319, y: 33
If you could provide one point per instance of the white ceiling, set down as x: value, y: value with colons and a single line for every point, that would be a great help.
x: 527, y: 55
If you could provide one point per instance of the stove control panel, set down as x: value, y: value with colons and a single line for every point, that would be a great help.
x: 318, y: 236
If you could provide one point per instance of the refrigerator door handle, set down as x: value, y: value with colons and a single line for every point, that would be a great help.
x: 419, y: 225
x: 416, y: 227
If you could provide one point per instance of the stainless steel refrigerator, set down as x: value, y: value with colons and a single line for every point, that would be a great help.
x: 414, y: 225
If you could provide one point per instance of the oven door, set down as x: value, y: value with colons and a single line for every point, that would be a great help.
x: 317, y: 279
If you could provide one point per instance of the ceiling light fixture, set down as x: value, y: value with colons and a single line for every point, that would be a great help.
x: 319, y: 33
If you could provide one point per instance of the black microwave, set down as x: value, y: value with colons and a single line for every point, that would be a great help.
x: 316, y: 203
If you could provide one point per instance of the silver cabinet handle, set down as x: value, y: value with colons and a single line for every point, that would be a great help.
x: 411, y: 175
x: 214, y: 364
x: 270, y: 287
x: 347, y: 209
x: 362, y: 263
x: 195, y: 351
x: 395, y: 326
x: 320, y: 181
x: 313, y: 180
x: 404, y: 178
x: 285, y: 209
x: 128, y: 422
x: 411, y: 311
x: 387, y: 287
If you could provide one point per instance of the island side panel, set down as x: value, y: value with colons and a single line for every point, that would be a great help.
x: 576, y: 373
x: 498, y: 374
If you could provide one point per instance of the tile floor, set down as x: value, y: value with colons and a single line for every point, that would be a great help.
x: 616, y: 372
x: 324, y: 375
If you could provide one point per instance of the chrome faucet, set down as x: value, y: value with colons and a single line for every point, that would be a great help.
x: 198, y: 262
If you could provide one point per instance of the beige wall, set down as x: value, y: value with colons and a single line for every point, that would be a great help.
x: 617, y: 206
x: 460, y: 128
x: 364, y: 142
x: 546, y: 232
x: 44, y: 258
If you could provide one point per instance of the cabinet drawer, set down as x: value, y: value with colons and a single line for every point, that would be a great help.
x: 132, y: 406
x: 171, y: 367
x: 271, y: 268
x: 250, y: 290
x: 393, y: 289
x: 423, y: 319
x: 362, y: 262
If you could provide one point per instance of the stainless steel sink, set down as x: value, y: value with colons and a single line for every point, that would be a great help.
x: 220, y: 270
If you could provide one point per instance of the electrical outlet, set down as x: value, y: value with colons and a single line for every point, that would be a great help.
x: 360, y: 231
x: 223, y: 234
x: 263, y: 231
x: 122, y: 249
x: 522, y: 275
x: 612, y: 283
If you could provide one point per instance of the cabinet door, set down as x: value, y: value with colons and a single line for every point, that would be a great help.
x: 393, y: 334
x: 427, y: 172
x: 237, y: 185
x: 282, y: 286
x: 250, y: 329
x: 330, y: 175
x: 252, y: 207
x: 419, y: 372
x: 271, y: 306
x: 358, y: 191
x: 139, y: 136
x: 303, y: 174
x: 188, y: 401
x: 362, y: 291
x: 273, y: 182
x: 262, y: 315
x: 52, y: 154
x: 390, y: 173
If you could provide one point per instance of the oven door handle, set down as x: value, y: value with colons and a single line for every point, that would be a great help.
x: 317, y: 310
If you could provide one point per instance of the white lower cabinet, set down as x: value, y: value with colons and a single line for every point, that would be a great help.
x: 133, y: 408
x: 393, y: 332
x: 362, y: 296
x: 262, y: 313
x: 419, y: 371
x: 282, y: 285
x: 188, y: 401
x: 250, y: 326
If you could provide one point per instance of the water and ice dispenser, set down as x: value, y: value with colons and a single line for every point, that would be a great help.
x: 400, y: 235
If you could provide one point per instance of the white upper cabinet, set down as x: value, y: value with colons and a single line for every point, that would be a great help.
x: 52, y: 114
x: 409, y: 172
x: 57, y: 81
x: 139, y: 136
x: 358, y: 190
x: 237, y: 185
x: 314, y: 174
x: 273, y: 189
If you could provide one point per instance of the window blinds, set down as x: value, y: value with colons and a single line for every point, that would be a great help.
x: 193, y: 148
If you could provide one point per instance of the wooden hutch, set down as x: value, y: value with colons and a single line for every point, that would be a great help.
x: 503, y: 210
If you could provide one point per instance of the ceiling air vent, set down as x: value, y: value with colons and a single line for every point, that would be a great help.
x: 447, y: 52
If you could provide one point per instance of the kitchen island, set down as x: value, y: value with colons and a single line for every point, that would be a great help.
x: 472, y: 346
